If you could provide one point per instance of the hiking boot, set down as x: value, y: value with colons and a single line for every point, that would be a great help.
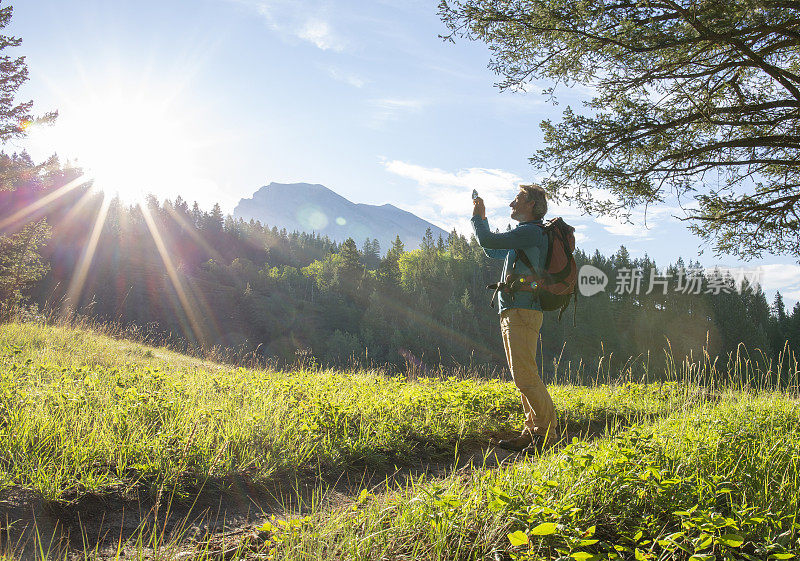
x: 538, y: 443
x: 515, y: 444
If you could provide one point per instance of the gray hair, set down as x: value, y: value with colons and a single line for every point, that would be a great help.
x: 536, y: 194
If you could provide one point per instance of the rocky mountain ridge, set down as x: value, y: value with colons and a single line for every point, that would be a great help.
x: 315, y: 208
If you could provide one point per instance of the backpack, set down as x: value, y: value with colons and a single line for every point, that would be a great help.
x: 558, y: 283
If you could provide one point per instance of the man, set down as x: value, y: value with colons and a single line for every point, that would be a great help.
x: 520, y: 312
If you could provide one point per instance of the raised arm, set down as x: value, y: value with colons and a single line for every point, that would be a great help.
x: 491, y: 253
x: 515, y: 239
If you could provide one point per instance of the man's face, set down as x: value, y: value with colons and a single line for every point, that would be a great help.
x: 522, y: 208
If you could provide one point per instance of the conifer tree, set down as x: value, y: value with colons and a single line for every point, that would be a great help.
x: 397, y: 248
x: 371, y: 252
x: 696, y: 99
x: 20, y: 262
x: 779, y: 324
x: 15, y: 118
x: 21, y: 265
x: 427, y: 243
x: 389, y: 269
x: 349, y: 271
x: 793, y: 329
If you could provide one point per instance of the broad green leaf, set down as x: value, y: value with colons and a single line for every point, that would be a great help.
x: 703, y: 557
x: 584, y: 556
x: 497, y: 504
x: 782, y: 556
x: 544, y: 529
x: 518, y: 538
x: 704, y: 541
x: 731, y: 540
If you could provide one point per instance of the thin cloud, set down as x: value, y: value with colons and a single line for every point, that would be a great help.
x: 392, y: 109
x: 447, y: 201
x: 580, y: 236
x: 445, y: 195
x: 320, y: 34
x: 781, y: 276
x: 639, y: 224
x: 621, y: 228
x: 290, y: 18
x: 347, y: 77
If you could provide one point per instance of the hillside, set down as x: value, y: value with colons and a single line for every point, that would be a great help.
x: 92, y: 427
x: 305, y: 207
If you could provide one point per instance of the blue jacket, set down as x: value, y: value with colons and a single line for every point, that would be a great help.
x: 528, y: 236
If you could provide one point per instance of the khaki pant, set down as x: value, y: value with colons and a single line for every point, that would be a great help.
x: 520, y: 329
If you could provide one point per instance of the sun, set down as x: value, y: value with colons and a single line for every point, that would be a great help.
x: 134, y: 145
x: 131, y: 144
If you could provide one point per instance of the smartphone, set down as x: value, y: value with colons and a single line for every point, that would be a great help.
x: 474, y: 194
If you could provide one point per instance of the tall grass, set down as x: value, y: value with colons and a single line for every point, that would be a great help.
x: 81, y: 412
x: 741, y: 369
x: 718, y: 481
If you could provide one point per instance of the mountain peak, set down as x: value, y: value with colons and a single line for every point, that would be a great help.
x: 312, y: 207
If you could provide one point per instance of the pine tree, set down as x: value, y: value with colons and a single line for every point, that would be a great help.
x: 389, y: 269
x: 778, y: 325
x: 622, y: 259
x: 397, y: 248
x: 427, y: 243
x: 197, y: 215
x: 14, y: 117
x: 371, y: 253
x: 21, y: 265
x: 681, y: 89
x: 20, y: 262
x: 778, y: 308
x: 349, y: 271
x: 215, y: 219
x: 793, y: 329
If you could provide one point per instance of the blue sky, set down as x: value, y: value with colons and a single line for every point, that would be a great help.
x: 223, y: 96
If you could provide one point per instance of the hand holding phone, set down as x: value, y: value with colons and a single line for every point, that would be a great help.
x: 478, y: 208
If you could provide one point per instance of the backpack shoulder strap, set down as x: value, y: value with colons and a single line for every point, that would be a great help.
x: 524, y: 258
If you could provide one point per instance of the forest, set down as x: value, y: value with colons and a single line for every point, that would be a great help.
x: 200, y: 279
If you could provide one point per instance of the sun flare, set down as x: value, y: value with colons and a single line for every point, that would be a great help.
x: 132, y: 144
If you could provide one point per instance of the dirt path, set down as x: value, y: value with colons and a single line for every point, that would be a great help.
x: 222, y: 513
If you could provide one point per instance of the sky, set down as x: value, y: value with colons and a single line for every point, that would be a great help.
x: 211, y: 99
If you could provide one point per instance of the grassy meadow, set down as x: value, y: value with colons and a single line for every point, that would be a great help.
x: 674, y: 469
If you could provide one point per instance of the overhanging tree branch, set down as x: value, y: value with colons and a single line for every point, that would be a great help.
x: 683, y: 88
